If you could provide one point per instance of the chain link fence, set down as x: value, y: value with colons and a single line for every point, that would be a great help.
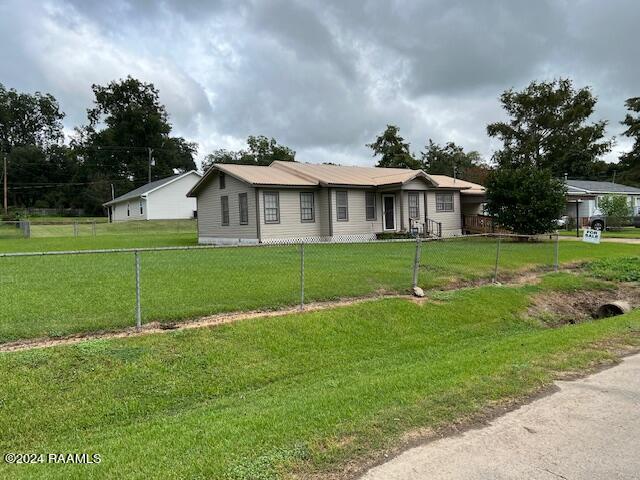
x: 52, y: 294
x: 93, y: 228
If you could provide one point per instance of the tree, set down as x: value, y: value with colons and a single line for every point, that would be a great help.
x: 616, y: 208
x: 29, y: 119
x: 452, y: 160
x: 629, y: 165
x: 126, y: 120
x: 260, y: 151
x: 394, y: 151
x: 548, y: 128
x: 526, y: 200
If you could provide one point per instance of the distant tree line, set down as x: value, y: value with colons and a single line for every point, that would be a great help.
x: 548, y: 135
x: 126, y: 127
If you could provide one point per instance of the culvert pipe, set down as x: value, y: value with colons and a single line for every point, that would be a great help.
x: 612, y: 309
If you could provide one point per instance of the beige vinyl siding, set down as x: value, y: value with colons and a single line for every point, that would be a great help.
x: 357, y: 223
x: 451, y: 221
x: 210, y: 211
x: 291, y: 224
x: 417, y: 184
x: 471, y: 206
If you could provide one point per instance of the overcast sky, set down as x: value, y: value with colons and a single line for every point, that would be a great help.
x: 324, y: 77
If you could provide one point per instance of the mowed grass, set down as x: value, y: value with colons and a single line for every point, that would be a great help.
x: 302, y: 393
x: 61, y: 295
x: 626, y: 232
x: 131, y: 228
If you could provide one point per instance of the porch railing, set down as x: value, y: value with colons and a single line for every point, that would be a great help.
x: 433, y: 227
x: 481, y: 224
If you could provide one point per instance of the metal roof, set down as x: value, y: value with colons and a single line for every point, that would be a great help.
x: 140, y: 191
x: 295, y: 174
x: 589, y: 186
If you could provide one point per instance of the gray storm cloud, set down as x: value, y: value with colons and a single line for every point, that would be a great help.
x: 323, y: 76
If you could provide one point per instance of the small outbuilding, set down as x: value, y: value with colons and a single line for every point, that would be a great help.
x: 164, y: 199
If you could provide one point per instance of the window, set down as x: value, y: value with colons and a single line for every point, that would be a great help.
x: 224, y: 204
x: 414, y: 206
x: 271, y: 207
x: 128, y: 210
x: 342, y: 206
x: 306, y: 207
x: 444, y: 202
x: 370, y: 205
x: 223, y: 181
x: 141, y: 210
x: 244, y: 208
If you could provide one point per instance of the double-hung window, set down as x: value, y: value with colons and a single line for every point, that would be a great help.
x: 444, y: 202
x: 243, y: 206
x: 414, y: 205
x: 370, y: 205
x: 271, y: 207
x: 224, y: 205
x: 342, y: 206
x: 307, y: 213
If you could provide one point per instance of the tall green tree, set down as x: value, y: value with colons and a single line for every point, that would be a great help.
x: 451, y: 160
x: 260, y: 151
x: 29, y: 120
x: 126, y: 120
x: 629, y: 165
x: 548, y: 127
x: 32, y: 139
x: 393, y: 150
x: 526, y: 199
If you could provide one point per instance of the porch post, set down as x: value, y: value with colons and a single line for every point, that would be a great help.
x: 401, y: 210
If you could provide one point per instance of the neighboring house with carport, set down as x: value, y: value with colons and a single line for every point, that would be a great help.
x: 164, y: 199
x: 583, y: 197
x: 310, y: 202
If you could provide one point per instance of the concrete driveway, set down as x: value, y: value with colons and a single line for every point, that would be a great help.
x: 589, y: 429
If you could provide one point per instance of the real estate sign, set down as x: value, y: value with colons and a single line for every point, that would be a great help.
x: 591, y: 236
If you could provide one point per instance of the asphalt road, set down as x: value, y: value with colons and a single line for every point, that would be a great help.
x: 589, y: 429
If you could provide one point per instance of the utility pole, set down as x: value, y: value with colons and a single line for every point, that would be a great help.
x: 113, y: 193
x: 150, y: 161
x: 6, y: 204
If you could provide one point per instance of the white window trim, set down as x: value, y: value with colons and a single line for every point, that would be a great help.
x: 384, y: 217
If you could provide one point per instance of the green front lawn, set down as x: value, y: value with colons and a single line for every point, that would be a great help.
x: 305, y: 393
x: 61, y: 295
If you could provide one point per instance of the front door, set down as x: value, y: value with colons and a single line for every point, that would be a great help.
x: 389, y: 211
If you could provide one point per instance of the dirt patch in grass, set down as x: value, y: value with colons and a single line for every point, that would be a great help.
x: 204, y: 322
x: 557, y: 308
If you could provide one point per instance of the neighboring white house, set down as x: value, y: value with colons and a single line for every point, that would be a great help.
x: 163, y: 199
x: 585, y: 195
x: 310, y: 202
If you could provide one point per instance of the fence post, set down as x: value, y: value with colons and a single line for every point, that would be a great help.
x: 138, y: 306
x: 416, y: 263
x: 495, y: 269
x: 93, y: 228
x: 75, y: 229
x: 556, y: 260
x: 301, y: 275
